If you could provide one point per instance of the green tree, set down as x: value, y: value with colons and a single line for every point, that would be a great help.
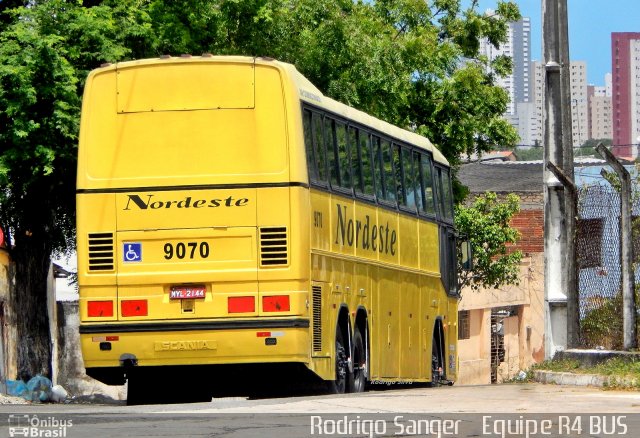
x: 530, y: 154
x: 486, y: 224
x: 45, y: 53
x: 412, y: 63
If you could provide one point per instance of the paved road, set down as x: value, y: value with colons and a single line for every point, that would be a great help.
x: 574, y: 411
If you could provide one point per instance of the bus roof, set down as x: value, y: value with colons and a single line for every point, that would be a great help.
x: 310, y: 93
x: 306, y: 92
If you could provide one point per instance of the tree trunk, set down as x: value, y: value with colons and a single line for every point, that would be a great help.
x: 31, y: 258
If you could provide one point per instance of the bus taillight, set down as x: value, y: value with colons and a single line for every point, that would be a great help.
x: 276, y: 303
x: 134, y: 308
x: 241, y: 304
x: 100, y: 309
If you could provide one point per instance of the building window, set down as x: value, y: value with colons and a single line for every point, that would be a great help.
x: 589, y: 242
x: 464, y: 326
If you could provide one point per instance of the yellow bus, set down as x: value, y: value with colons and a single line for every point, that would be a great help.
x: 228, y: 213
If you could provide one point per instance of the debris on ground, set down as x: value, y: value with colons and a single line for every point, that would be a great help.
x: 38, y: 389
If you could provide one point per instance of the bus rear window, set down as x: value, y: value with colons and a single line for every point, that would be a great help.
x: 200, y: 146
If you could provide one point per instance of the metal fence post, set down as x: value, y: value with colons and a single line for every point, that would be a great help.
x: 630, y: 340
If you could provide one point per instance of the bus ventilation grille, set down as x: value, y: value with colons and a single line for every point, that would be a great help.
x: 317, y: 318
x: 273, y: 246
x: 101, y: 252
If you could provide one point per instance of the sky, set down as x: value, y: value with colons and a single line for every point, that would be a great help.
x: 590, y: 25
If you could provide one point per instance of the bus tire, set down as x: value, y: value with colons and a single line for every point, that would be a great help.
x: 437, y: 357
x: 359, y: 363
x: 339, y: 385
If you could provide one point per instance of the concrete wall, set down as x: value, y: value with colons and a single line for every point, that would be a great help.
x: 523, y: 333
x: 474, y: 353
x: 70, y: 373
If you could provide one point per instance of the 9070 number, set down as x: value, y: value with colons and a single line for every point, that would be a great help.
x: 183, y: 250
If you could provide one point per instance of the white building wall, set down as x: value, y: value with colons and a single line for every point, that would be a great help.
x: 601, y: 122
x: 579, y: 103
x: 517, y: 47
x: 579, y: 100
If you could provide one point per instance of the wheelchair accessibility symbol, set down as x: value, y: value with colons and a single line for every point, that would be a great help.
x: 132, y: 252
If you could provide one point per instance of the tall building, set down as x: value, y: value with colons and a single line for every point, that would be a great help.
x: 625, y: 65
x: 599, y: 112
x: 517, y: 47
x: 608, y: 84
x: 579, y: 102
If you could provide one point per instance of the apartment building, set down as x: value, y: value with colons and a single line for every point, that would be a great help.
x: 625, y: 65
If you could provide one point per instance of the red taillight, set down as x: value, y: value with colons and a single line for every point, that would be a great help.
x: 241, y: 304
x: 263, y: 334
x: 134, y: 308
x: 276, y: 303
x: 100, y: 308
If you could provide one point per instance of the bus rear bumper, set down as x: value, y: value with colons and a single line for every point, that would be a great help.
x: 195, y: 343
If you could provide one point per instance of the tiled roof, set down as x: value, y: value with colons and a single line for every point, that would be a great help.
x: 507, y: 176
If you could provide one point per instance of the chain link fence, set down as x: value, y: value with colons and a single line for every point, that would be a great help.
x: 598, y: 259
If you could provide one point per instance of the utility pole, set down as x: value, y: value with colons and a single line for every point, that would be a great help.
x: 629, y: 339
x: 561, y: 308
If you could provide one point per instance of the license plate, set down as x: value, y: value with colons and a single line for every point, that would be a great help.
x: 186, y: 292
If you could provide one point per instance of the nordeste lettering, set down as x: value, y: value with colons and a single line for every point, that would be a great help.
x: 149, y: 202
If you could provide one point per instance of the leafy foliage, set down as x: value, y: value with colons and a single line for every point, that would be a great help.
x: 412, y: 63
x: 46, y: 50
x: 485, y: 223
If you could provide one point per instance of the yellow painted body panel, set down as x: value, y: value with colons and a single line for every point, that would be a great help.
x: 198, y: 347
x: 393, y: 273
x: 208, y: 153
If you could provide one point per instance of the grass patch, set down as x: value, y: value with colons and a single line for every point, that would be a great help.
x: 623, y: 373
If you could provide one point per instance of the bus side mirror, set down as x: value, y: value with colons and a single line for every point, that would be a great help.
x: 467, y: 255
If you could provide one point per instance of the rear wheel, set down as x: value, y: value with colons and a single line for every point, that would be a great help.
x: 339, y: 385
x: 359, y: 363
x: 437, y: 356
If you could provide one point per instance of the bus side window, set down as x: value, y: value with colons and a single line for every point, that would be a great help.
x: 427, y: 182
x: 397, y: 165
x: 378, y: 167
x: 318, y: 145
x: 332, y: 153
x: 356, y: 162
x: 308, y: 145
x: 417, y: 181
x: 448, y: 260
x: 364, y: 141
x: 437, y: 186
x: 410, y: 180
x: 447, y: 196
x: 344, y: 164
x: 389, y: 177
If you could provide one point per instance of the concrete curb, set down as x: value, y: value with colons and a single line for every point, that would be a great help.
x: 563, y: 378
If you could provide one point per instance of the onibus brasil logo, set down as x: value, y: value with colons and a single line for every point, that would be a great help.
x: 34, y: 426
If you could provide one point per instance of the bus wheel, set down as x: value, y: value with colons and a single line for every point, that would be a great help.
x: 339, y: 385
x: 437, y: 361
x: 359, y: 363
x: 436, y: 371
